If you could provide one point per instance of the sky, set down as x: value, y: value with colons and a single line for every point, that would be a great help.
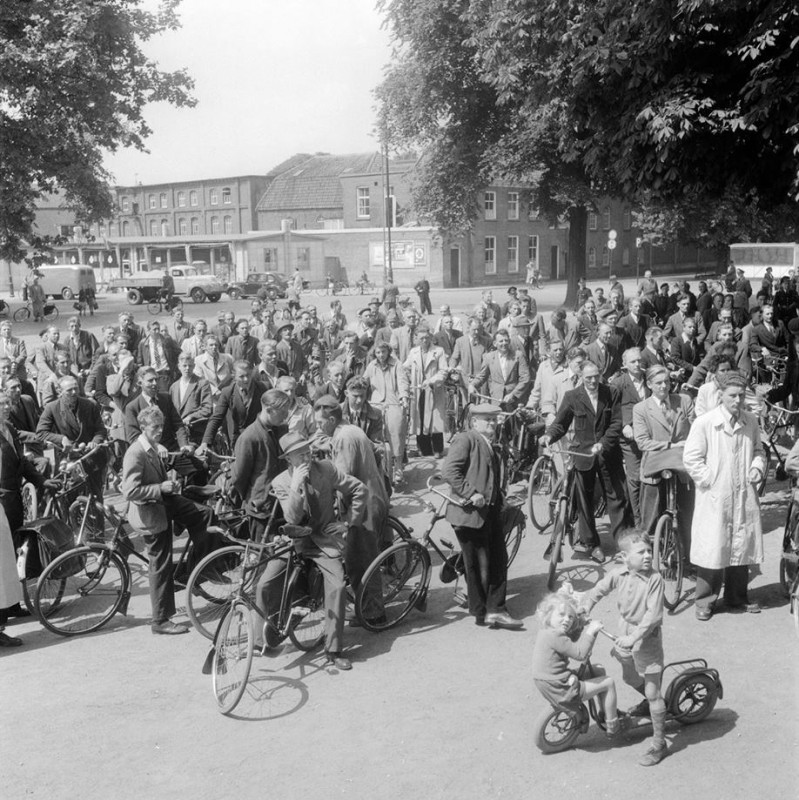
x: 273, y: 78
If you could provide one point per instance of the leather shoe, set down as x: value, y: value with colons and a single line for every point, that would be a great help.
x: 338, y: 661
x: 640, y: 710
x: 703, y: 614
x: 654, y: 756
x: 501, y: 619
x: 9, y: 641
x: 168, y: 628
x: 751, y: 608
x: 480, y: 620
x: 579, y: 547
x: 354, y: 622
x: 598, y: 555
x: 17, y: 611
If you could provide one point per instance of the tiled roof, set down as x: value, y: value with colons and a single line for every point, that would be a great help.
x: 312, y: 181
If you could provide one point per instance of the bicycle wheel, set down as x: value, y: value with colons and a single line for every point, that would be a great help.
x: 21, y: 314
x: 154, y: 306
x: 402, y: 573
x: 761, y: 487
x: 556, y: 542
x: 50, y: 312
x: 396, y: 531
x: 539, y: 492
x: 795, y: 603
x: 81, y: 590
x: 233, y: 648
x: 306, y: 594
x: 513, y: 539
x: 667, y: 560
x: 30, y: 502
x: 693, y: 699
x: 88, y: 523
x: 557, y: 730
x: 211, y: 586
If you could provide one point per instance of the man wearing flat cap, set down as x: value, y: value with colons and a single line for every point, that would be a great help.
x: 307, y: 494
x: 290, y: 352
x: 472, y: 469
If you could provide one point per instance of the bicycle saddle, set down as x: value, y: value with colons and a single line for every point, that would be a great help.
x: 201, y: 492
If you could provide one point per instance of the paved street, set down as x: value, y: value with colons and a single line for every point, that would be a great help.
x: 437, y: 707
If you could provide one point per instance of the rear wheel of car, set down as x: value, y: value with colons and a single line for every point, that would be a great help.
x: 135, y: 297
x: 67, y: 293
x: 197, y: 295
x: 234, y: 294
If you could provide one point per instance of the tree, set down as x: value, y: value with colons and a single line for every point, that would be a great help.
x: 682, y: 105
x: 73, y: 83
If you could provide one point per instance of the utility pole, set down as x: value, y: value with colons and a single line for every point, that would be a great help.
x: 388, y: 271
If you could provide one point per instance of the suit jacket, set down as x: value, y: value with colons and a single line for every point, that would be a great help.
x: 403, y: 341
x: 650, y: 359
x: 674, y: 326
x: 53, y: 423
x: 468, y: 357
x: 175, y: 434
x: 25, y: 418
x: 243, y: 349
x: 14, y: 466
x: 196, y: 403
x: 653, y: 432
x: 371, y: 422
x: 685, y: 355
x: 171, y: 353
x: 135, y: 334
x: 218, y: 377
x: 446, y: 341
x: 81, y: 353
x: 142, y: 475
x: 571, y: 335
x: 589, y: 427
x: 231, y: 410
x: 292, y: 355
x: 633, y: 331
x: 627, y: 396
x: 775, y: 340
x: 514, y: 388
x: 470, y: 467
x: 607, y: 359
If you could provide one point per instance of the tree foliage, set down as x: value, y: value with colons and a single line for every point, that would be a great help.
x: 688, y: 107
x: 74, y: 82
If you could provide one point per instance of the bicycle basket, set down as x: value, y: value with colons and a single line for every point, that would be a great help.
x: 53, y: 537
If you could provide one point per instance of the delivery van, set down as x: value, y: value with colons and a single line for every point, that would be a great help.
x: 64, y: 281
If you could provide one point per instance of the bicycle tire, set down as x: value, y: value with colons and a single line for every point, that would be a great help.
x: 232, y: 661
x: 307, y: 592
x: 400, y: 532
x: 693, y: 698
x: 761, y: 486
x: 402, y: 572
x: 667, y: 559
x: 513, y: 540
x: 211, y: 586
x: 794, y: 607
x: 50, y: 312
x: 28, y: 584
x: 30, y: 502
x: 95, y: 585
x: 558, y: 531
x: 154, y: 307
x: 88, y: 527
x: 22, y: 314
x: 557, y: 730
x: 539, y: 492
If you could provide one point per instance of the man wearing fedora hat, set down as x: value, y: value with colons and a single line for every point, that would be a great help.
x: 289, y: 350
x: 472, y: 469
x: 307, y: 494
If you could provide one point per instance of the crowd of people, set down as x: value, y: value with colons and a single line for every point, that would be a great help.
x: 623, y: 380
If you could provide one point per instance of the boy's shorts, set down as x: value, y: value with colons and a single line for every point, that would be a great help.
x: 647, y: 655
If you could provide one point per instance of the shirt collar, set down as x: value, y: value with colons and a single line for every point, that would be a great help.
x: 146, y: 445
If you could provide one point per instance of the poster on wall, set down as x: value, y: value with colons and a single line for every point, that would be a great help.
x: 404, y: 255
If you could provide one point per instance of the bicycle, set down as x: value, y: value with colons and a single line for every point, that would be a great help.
x: 301, y: 616
x: 668, y: 556
x: 517, y: 444
x: 774, y: 424
x: 540, y: 490
x: 403, y: 570
x: 161, y: 302
x: 691, y: 690
x: 789, y: 557
x: 24, y: 313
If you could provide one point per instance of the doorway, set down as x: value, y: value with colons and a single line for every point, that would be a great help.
x: 554, y: 262
x: 454, y: 266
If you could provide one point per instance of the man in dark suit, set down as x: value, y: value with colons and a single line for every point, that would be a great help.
x: 242, y: 346
x: 685, y: 352
x: 630, y: 387
x: 153, y: 504
x: 191, y: 397
x: 81, y: 346
x: 602, y: 353
x: 468, y: 351
x: 674, y: 325
x: 593, y: 412
x: 161, y: 353
x: 24, y: 416
x: 633, y: 326
x: 174, y: 435
x: 72, y: 420
x: 447, y: 337
x: 237, y: 406
x: 356, y: 410
x: 471, y: 468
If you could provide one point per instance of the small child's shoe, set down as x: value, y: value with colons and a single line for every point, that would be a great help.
x: 612, y: 727
x: 654, y: 756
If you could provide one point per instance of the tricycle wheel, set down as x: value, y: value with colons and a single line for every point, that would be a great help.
x: 693, y: 699
x: 557, y: 730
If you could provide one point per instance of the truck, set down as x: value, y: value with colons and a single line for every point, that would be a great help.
x: 190, y: 280
x: 64, y: 281
x: 754, y: 258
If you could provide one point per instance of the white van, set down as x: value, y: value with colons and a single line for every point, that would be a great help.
x: 64, y: 281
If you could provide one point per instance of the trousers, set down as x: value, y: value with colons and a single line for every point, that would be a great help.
x: 708, y: 586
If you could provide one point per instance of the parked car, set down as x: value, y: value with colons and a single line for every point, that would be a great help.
x: 275, y: 284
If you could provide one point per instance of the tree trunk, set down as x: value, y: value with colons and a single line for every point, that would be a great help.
x: 578, y: 231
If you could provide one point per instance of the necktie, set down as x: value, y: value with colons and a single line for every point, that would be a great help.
x: 667, y: 412
x: 575, y: 380
x: 410, y: 338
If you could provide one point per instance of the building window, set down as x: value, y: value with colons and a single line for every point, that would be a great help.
x: 193, y: 197
x: 164, y: 228
x: 304, y: 259
x: 592, y: 257
x: 532, y: 250
x: 214, y: 224
x: 270, y: 258
x: 533, y: 212
x: 490, y: 205
x: 592, y: 221
x: 606, y: 219
x: 125, y: 205
x: 605, y: 257
x: 513, y: 253
x: 163, y: 199
x: 153, y: 228
x: 153, y: 201
x: 362, y: 196
x: 182, y: 199
x: 513, y: 205
x: 228, y: 224
x: 183, y: 227
x: 226, y: 199
x: 195, y: 225
x: 213, y: 197
x: 125, y: 228
x: 625, y: 257
x: 628, y: 220
x: 490, y: 246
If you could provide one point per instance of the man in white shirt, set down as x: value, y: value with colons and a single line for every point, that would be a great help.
x: 552, y: 380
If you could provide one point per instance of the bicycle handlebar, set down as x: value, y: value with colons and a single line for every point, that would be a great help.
x: 448, y: 498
